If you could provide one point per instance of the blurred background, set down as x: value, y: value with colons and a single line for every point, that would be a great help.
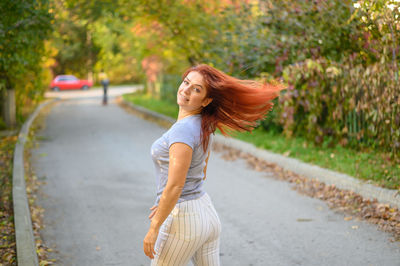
x: 339, y: 59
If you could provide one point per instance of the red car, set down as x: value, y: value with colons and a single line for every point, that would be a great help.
x: 69, y: 82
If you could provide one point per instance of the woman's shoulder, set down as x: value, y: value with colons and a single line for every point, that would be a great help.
x: 186, y: 130
x: 190, y: 125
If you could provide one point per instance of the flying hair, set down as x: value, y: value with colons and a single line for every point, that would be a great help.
x: 236, y: 104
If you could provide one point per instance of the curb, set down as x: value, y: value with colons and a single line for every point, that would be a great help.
x: 329, y: 177
x: 160, y: 119
x: 25, y: 242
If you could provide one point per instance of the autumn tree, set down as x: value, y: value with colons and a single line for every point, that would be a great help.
x: 24, y: 25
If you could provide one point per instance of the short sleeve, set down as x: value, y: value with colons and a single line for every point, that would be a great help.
x: 182, y: 133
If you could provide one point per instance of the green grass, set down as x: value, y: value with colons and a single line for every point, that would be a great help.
x: 158, y: 106
x: 371, y: 166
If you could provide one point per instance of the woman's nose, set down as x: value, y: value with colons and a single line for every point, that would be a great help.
x: 186, y: 89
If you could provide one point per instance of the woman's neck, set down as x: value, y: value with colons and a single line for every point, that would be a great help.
x: 183, y: 113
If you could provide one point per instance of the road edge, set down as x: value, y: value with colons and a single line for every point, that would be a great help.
x: 329, y: 177
x: 25, y: 241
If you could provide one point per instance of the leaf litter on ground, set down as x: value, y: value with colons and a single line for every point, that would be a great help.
x: 7, y: 233
x: 387, y: 218
x: 33, y: 184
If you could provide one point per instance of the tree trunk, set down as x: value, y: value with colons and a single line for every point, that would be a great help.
x: 158, y: 85
x: 150, y: 88
x: 89, y: 45
x: 9, y: 108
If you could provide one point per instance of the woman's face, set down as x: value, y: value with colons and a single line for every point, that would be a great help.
x: 192, y: 93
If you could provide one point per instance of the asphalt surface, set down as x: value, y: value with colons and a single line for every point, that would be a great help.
x: 99, y: 183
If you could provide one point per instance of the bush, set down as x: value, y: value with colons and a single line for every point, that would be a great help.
x: 169, y: 87
x: 351, y: 105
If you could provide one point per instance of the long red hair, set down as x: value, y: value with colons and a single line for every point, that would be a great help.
x: 236, y: 104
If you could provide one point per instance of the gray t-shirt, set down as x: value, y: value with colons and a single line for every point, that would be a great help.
x: 186, y: 130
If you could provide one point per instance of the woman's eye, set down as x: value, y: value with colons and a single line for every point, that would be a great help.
x: 197, y: 89
x: 185, y: 82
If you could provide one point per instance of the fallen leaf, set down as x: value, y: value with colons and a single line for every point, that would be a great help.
x: 348, y: 218
x: 45, y: 262
x: 304, y: 220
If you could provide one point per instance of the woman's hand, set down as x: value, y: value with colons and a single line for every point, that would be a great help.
x: 149, y: 243
x: 151, y: 237
x: 153, y: 211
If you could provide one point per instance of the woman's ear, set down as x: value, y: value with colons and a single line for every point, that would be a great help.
x: 206, y: 102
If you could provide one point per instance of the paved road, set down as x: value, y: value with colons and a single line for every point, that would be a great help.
x: 94, y: 92
x: 99, y: 185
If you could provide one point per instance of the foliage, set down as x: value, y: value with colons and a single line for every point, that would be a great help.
x: 120, y: 51
x: 169, y: 87
x: 380, y: 25
x: 269, y: 35
x: 349, y: 104
x: 7, y: 233
x: 182, y: 28
x: 2, y: 124
x: 91, y: 36
x: 354, y: 101
x: 71, y: 41
x: 311, y: 29
x: 24, y: 25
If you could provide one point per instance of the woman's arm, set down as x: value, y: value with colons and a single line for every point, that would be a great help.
x: 180, y: 157
x: 205, y: 167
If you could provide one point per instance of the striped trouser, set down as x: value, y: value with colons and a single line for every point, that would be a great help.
x: 191, y: 231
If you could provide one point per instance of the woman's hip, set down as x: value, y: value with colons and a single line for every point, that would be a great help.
x: 200, y: 206
x: 194, y: 219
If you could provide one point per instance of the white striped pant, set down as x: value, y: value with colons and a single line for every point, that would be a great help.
x: 191, y: 231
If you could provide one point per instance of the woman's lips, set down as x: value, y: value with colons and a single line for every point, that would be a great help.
x: 183, y: 97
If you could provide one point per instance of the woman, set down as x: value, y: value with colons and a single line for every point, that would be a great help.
x: 184, y: 224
